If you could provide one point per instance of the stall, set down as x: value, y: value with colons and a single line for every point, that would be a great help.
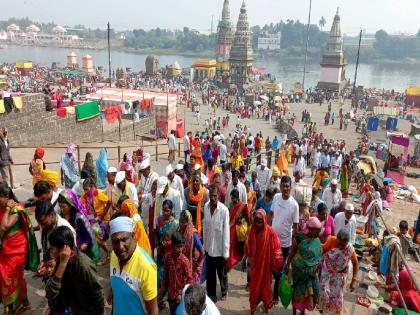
x: 141, y: 103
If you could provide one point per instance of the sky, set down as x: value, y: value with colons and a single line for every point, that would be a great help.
x: 394, y: 16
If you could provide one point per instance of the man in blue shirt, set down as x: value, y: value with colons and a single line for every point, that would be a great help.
x: 264, y: 202
x: 276, y: 143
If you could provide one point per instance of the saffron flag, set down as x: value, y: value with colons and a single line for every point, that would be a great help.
x: 87, y: 110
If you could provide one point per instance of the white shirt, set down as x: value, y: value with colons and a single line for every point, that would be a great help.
x: 332, y: 199
x: 316, y: 158
x: 171, y: 142
x: 131, y: 191
x: 263, y: 176
x: 222, y: 152
x: 186, y: 143
x: 54, y: 198
x: 340, y: 223
x: 177, y: 185
x: 285, y: 214
x: 242, y: 193
x: 145, y: 185
x: 216, y: 231
x: 299, y: 165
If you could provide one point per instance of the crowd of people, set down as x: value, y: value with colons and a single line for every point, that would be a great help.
x: 236, y: 200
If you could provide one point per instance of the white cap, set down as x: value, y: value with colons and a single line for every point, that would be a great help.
x: 179, y: 167
x: 146, y: 156
x: 112, y: 170
x: 334, y: 182
x: 144, y: 164
x: 204, y: 179
x: 264, y: 162
x: 162, y: 183
x: 197, y: 167
x: 119, y: 177
x: 169, y: 169
x: 349, y: 207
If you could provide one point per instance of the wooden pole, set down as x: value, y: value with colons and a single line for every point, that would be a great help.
x: 12, y: 184
x: 179, y: 149
x: 109, y: 55
x: 119, y: 154
x: 157, y: 149
x: 78, y: 158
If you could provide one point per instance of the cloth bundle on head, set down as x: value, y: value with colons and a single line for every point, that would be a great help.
x: 51, y: 177
x: 161, y: 185
x: 40, y: 152
x: 121, y: 224
x: 276, y: 171
x: 312, y: 223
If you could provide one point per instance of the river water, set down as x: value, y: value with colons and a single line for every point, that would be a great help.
x: 396, y: 77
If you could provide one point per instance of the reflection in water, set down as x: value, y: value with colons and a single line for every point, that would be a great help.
x: 396, y: 77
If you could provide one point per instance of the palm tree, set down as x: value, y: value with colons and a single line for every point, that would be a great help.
x: 322, y: 22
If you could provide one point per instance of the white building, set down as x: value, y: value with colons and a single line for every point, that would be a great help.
x: 269, y: 42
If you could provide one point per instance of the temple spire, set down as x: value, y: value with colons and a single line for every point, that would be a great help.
x: 226, y: 11
x: 335, y: 41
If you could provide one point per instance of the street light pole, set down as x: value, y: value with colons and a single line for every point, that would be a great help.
x: 307, y: 44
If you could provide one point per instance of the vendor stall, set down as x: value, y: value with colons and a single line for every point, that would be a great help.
x: 141, y: 103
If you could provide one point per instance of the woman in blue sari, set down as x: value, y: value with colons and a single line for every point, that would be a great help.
x: 102, y: 169
x: 69, y: 170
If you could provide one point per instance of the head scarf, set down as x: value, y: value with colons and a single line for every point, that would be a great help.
x: 88, y: 165
x: 51, y: 177
x: 71, y: 149
x: 128, y: 207
x: 102, y: 168
x: 73, y: 200
x: 325, y: 182
x: 276, y: 171
x: 312, y: 223
x: 187, y: 216
x: 253, y: 231
x: 40, y: 152
x: 127, y: 166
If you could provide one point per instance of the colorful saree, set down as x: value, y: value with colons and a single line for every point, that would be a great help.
x: 305, y: 264
x: 129, y: 209
x: 18, y: 251
x: 189, y: 249
x: 164, y: 233
x: 84, y: 230
x: 345, y: 178
x: 264, y: 253
x: 333, y: 279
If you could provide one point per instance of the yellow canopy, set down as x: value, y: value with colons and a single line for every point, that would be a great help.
x: 413, y: 91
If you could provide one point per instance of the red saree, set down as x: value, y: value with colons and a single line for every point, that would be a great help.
x: 236, y: 248
x: 264, y: 253
x: 13, y: 250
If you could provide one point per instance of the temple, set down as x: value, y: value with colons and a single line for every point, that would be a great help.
x: 241, y: 54
x: 224, y: 40
x: 333, y: 66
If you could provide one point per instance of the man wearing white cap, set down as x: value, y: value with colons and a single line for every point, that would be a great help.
x: 332, y: 195
x: 174, y: 180
x: 263, y: 175
x: 125, y: 188
x: 336, y: 162
x: 165, y: 192
x: 300, y: 164
x: 111, y: 190
x: 133, y: 272
x: 346, y: 221
x: 148, y: 177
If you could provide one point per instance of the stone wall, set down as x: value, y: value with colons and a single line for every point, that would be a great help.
x: 35, y: 126
x: 284, y: 128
